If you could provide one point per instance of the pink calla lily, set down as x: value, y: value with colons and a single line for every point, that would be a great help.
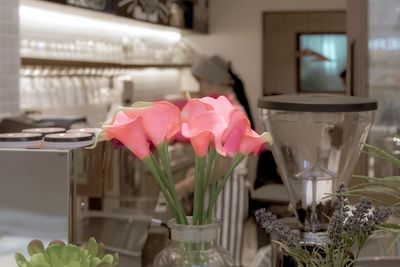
x: 161, y: 120
x: 208, y: 120
x: 130, y: 132
x: 204, y: 121
x: 193, y: 108
x: 222, y: 105
x: 203, y: 129
x: 252, y: 143
x: 239, y: 125
x: 239, y: 138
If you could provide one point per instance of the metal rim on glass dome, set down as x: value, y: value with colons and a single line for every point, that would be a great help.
x: 317, y: 103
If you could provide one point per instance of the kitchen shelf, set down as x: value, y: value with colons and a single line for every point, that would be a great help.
x: 384, y: 86
x: 31, y: 61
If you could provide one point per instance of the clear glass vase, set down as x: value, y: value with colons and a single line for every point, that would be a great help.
x: 193, y: 246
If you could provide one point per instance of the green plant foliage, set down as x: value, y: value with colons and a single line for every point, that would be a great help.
x: 382, y: 186
x: 58, y: 254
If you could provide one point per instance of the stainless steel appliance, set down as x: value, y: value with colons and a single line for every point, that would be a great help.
x: 317, y: 141
x: 76, y: 194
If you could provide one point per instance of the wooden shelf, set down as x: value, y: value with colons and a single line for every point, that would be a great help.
x: 384, y: 86
x: 30, y: 61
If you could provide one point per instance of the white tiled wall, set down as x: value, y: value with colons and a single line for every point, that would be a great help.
x: 9, y: 57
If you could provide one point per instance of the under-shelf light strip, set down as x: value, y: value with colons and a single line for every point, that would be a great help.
x: 59, y: 19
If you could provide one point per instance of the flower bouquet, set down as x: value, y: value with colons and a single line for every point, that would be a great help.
x: 215, y: 128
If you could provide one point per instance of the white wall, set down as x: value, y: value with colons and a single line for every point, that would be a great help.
x: 9, y: 57
x: 236, y: 34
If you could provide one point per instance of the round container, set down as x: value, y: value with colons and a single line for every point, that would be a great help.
x: 21, y: 140
x: 91, y: 131
x: 44, y: 131
x: 193, y: 245
x: 68, y: 140
x: 317, y: 141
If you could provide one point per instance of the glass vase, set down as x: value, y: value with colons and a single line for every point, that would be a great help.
x: 193, y: 246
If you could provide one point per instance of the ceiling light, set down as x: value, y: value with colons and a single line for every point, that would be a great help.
x: 63, y: 18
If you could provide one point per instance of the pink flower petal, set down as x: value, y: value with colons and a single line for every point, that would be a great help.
x: 207, y: 122
x: 251, y: 143
x: 161, y: 120
x: 238, y: 126
x: 193, y: 108
x: 130, y: 132
x: 221, y: 105
x: 201, y: 142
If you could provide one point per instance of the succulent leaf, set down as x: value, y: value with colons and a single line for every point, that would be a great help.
x: 101, y: 250
x: 104, y: 264
x: 39, y: 259
x: 94, y: 262
x: 92, y: 247
x: 20, y: 259
x: 57, y: 242
x: 35, y: 246
x: 108, y: 259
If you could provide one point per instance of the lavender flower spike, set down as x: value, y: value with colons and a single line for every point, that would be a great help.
x: 378, y: 216
x: 359, y: 215
x: 277, y: 229
x: 336, y: 226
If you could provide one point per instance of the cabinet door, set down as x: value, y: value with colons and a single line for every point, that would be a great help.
x: 304, y: 52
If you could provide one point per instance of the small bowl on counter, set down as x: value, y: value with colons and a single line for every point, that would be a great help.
x: 68, y: 140
x: 21, y: 140
x: 45, y: 131
x: 91, y: 131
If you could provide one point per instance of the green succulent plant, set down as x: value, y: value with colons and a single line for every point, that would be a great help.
x: 59, y: 254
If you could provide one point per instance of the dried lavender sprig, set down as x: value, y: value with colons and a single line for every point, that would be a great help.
x: 341, y: 198
x: 336, y: 226
x: 359, y: 215
x: 378, y: 216
x: 270, y: 223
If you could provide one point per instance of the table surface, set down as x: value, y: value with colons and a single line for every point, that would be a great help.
x: 273, y: 193
x: 7, y: 261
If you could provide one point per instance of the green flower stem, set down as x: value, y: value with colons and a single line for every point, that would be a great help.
x: 209, y: 164
x: 203, y: 179
x: 213, y: 190
x: 159, y: 171
x: 214, y: 196
x: 198, y: 194
x: 172, y: 203
x: 235, y: 163
x: 151, y: 165
x: 164, y: 155
x: 206, y: 180
x: 170, y: 187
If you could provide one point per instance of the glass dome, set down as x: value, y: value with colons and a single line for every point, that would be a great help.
x: 317, y: 141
